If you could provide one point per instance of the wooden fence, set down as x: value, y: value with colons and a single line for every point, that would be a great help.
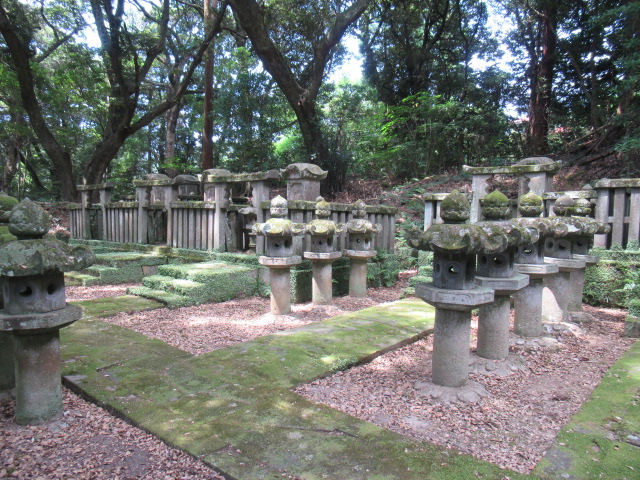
x: 160, y: 215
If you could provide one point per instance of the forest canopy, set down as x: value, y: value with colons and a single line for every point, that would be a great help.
x: 114, y: 89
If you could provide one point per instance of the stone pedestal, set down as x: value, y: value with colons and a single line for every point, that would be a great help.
x: 450, y: 360
x: 322, y: 276
x: 558, y: 288
x: 577, y: 283
x: 7, y: 365
x: 280, y: 281
x: 528, y: 301
x: 358, y: 271
x: 493, y: 318
x: 37, y: 361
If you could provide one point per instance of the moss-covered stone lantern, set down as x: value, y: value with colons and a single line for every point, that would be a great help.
x: 7, y: 344
x: 454, y: 293
x: 360, y: 233
x: 496, y: 270
x: 580, y: 247
x: 530, y: 261
x: 279, y: 232
x: 32, y: 276
x: 559, y: 288
x: 322, y: 252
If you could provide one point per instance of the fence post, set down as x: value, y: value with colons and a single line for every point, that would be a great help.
x: 217, y: 189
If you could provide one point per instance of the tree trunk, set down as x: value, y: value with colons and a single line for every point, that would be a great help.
x: 540, y: 109
x: 60, y: 158
x: 210, y: 7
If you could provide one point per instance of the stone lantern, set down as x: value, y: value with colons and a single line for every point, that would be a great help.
x: 530, y: 260
x: 580, y: 246
x: 32, y: 276
x: 360, y: 232
x: 496, y: 270
x: 454, y: 293
x: 558, y: 289
x: 7, y: 344
x: 322, y: 253
x: 279, y: 231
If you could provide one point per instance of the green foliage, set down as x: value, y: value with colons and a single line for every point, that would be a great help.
x: 428, y: 134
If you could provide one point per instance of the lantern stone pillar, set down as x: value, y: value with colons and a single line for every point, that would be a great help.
x: 496, y: 270
x: 31, y: 273
x: 454, y: 294
x: 360, y: 233
x: 322, y: 253
x: 278, y: 232
x: 557, y: 250
x: 530, y: 261
x: 580, y: 246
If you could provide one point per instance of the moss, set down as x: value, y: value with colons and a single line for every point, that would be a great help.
x: 593, y: 444
x: 604, y: 284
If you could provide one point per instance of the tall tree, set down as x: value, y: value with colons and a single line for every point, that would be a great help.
x: 413, y: 46
x: 295, y: 42
x: 129, y: 53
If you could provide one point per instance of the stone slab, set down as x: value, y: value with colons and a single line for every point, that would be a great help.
x: 460, y: 300
x: 537, y: 270
x: 39, y: 322
x: 325, y: 256
x: 566, y: 264
x: 590, y: 260
x: 504, y: 286
x: 280, y: 262
x: 359, y: 253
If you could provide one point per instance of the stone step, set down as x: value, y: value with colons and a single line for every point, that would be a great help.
x: 171, y: 300
x: 196, y: 291
x: 80, y: 279
x: 205, y: 271
x: 126, y: 259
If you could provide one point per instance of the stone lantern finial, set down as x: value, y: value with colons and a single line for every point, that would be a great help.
x: 530, y: 205
x: 564, y: 206
x: 323, y: 208
x: 29, y: 220
x: 279, y: 207
x: 455, y: 208
x: 496, y: 206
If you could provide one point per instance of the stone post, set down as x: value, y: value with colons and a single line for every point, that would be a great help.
x: 536, y: 175
x: 360, y: 233
x: 279, y: 232
x: 31, y: 272
x: 303, y: 181
x: 496, y: 270
x: 557, y: 250
x: 529, y: 260
x: 322, y: 254
x: 580, y: 246
x: 218, y: 189
x: 454, y: 294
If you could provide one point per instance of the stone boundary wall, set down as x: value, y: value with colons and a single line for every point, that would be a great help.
x: 616, y: 202
x: 187, y: 212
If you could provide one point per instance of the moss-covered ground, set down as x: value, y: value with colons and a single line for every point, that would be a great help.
x: 234, y: 407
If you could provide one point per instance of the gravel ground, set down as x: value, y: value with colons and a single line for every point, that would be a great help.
x: 511, y: 428
x: 514, y: 425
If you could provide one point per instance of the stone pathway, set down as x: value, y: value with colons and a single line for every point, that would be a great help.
x: 234, y: 408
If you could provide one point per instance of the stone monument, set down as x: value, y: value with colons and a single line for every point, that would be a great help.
x: 557, y: 250
x: 360, y: 232
x: 32, y: 276
x: 454, y: 293
x: 279, y: 231
x: 496, y: 270
x: 530, y: 261
x: 322, y: 253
